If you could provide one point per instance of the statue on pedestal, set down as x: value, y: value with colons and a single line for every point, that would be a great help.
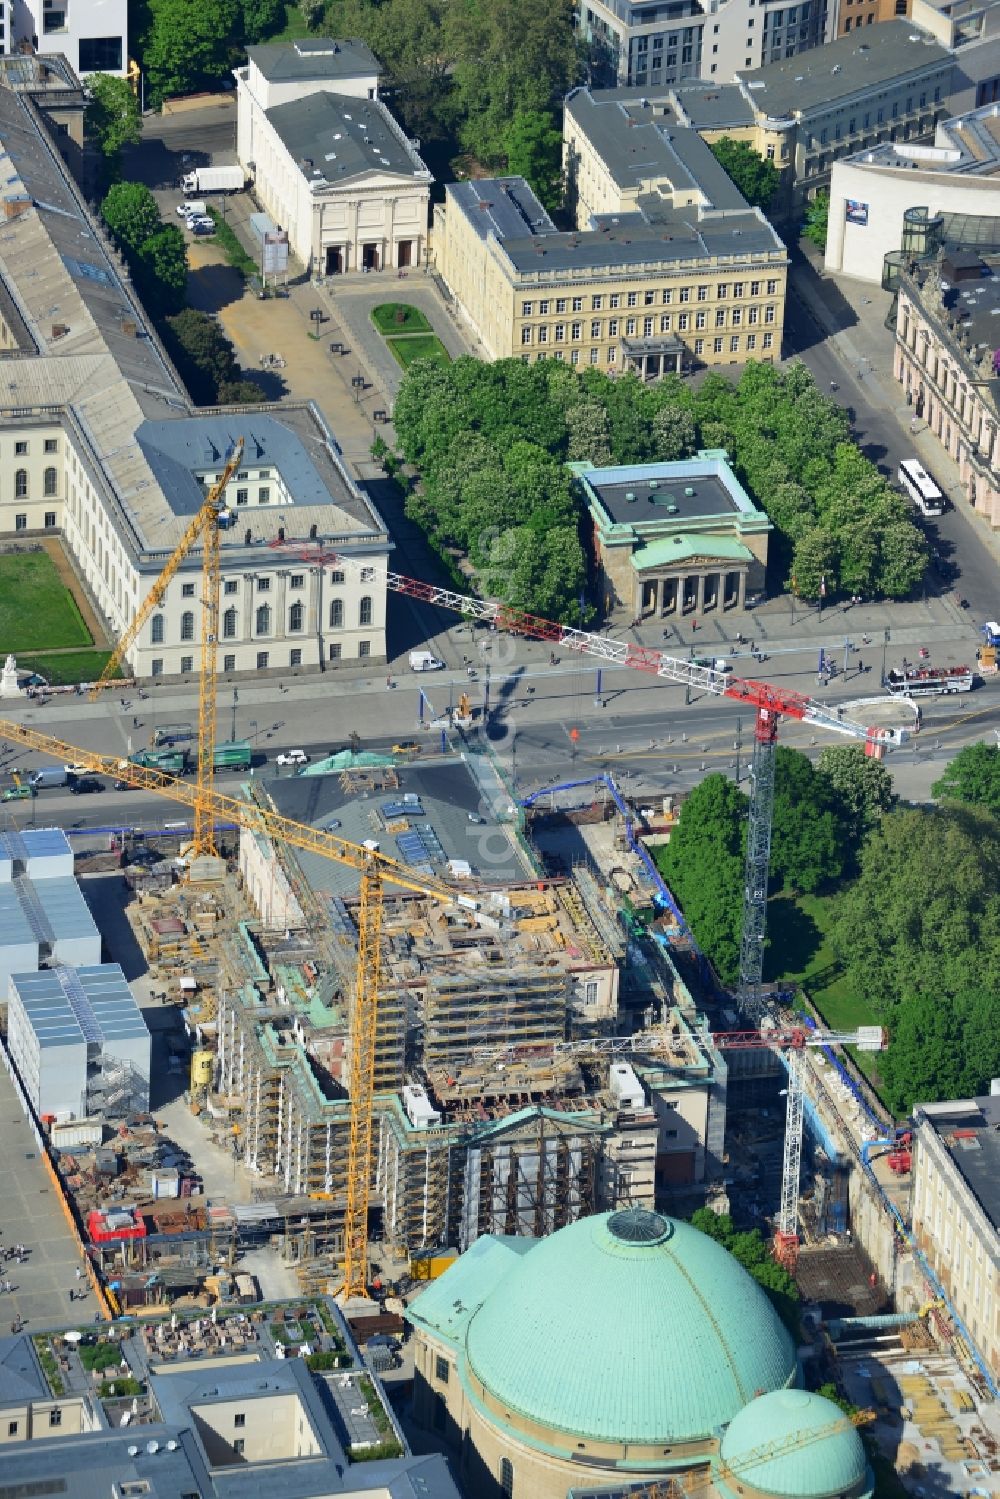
x: 8, y: 679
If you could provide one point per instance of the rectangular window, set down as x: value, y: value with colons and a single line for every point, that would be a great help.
x: 576, y: 330
x: 230, y: 585
x: 664, y: 322
x: 543, y: 334
x: 596, y: 304
x: 717, y: 345
x: 722, y: 290
x: 751, y: 340
x: 668, y: 296
x: 577, y: 304
x: 768, y: 340
x: 737, y: 289
x: 20, y: 523
x: 12, y: 1428
x: 595, y: 328
x: 239, y: 1446
x: 560, y: 333
x: 632, y: 299
x: 737, y: 316
x: 264, y: 494
x: 685, y: 295
x: 595, y: 355
x: 543, y: 307
x: 734, y: 343
x: 700, y: 319
x: 263, y: 585
x: 614, y: 300
x: 297, y: 580
x: 699, y: 346
x: 703, y: 294
x: 613, y: 327
x: 229, y: 663
x: 187, y: 590
x: 720, y: 317
x: 335, y: 652
x: 51, y: 445
x: 769, y: 314
x: 242, y: 495
x: 755, y: 288
x: 683, y: 319
x: 648, y: 298
x: 50, y: 519
x: 560, y: 304
x: 240, y: 1419
x: 612, y: 356
x: 367, y: 575
x: 574, y: 357
x: 647, y: 327
x: 441, y: 1369
x: 187, y: 665
x: 55, y: 1416
x: 364, y: 648
x: 772, y: 288
x: 21, y: 449
x: 753, y: 314
x: 526, y: 335
x: 156, y: 668
x: 263, y: 657
x: 525, y: 309
x: 295, y: 657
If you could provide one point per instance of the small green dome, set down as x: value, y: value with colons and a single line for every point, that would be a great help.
x: 628, y: 1327
x: 795, y: 1446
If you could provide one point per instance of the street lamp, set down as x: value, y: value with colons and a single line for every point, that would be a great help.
x: 236, y: 698
x: 885, y: 642
x: 253, y: 728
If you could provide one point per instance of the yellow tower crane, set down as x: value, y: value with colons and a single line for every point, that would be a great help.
x: 205, y: 527
x: 375, y: 868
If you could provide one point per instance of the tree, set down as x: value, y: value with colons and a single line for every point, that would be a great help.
x: 202, y: 352
x: 973, y: 777
x: 814, y: 564
x: 160, y: 268
x: 703, y: 865
x: 113, y: 119
x: 862, y: 785
x: 131, y: 214
x: 589, y: 432
x: 808, y: 828
x: 903, y: 556
x: 534, y: 151
x: 187, y: 45
x: 674, y: 433
x: 940, y: 1049
x: 758, y: 180
x: 923, y: 917
x: 814, y: 225
x: 750, y: 1250
x: 313, y: 12
x: 261, y: 18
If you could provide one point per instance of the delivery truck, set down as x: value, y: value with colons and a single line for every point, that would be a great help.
x: 425, y: 661
x: 48, y: 775
x: 236, y: 755
x: 173, y: 762
x: 213, y: 180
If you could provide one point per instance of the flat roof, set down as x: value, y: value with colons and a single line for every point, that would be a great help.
x: 65, y: 1006
x: 969, y: 1129
x: 447, y: 795
x: 817, y: 79
x: 658, y: 493
x: 343, y: 138
x: 967, y: 145
x: 503, y: 206
x: 314, y: 57
x: 638, y: 146
x: 33, y: 843
x: 55, y: 908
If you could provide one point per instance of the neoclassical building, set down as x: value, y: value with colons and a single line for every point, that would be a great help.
x: 674, y: 539
x: 625, y: 1347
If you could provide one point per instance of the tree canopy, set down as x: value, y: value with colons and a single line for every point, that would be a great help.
x: 809, y: 831
x: 156, y: 252
x: 940, y: 1049
x: 817, y: 217
x: 534, y: 151
x: 757, y: 179
x: 112, y: 118
x: 973, y: 777
x: 750, y: 1249
x: 703, y: 865
x: 206, y: 360
x: 833, y: 514
x: 862, y: 784
x: 187, y: 44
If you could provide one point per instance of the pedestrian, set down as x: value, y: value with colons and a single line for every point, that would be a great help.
x: 135, y: 721
x: 694, y: 625
x: 79, y: 1273
x: 861, y: 667
x: 72, y: 1296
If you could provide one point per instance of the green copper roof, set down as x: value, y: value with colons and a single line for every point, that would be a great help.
x: 795, y: 1446
x: 624, y: 1327
x: 672, y: 549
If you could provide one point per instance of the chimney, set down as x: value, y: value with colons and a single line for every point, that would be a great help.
x: 15, y: 205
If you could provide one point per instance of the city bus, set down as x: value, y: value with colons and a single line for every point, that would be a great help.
x: 921, y: 488
x: 928, y: 681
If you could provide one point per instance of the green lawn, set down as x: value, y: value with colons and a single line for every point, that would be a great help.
x: 799, y: 952
x: 69, y: 668
x: 418, y: 346
x: 37, y: 611
x: 294, y: 27
x: 387, y: 320
x: 231, y: 247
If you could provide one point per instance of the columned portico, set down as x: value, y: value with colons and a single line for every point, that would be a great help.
x: 712, y: 591
x: 652, y: 358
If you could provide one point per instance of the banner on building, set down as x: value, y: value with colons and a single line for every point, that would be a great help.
x: 275, y: 260
x: 857, y: 213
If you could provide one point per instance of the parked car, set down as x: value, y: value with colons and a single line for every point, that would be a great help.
x: 406, y: 747
x: 292, y: 757
x: 124, y: 786
x: 199, y: 224
x: 83, y: 785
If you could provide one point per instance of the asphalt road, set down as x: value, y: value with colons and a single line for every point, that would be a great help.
x: 966, y: 567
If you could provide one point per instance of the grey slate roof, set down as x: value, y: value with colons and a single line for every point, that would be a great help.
x: 860, y: 62
x: 21, y: 1376
x: 637, y: 144
x: 709, y: 106
x: 344, y: 138
x: 177, y: 451
x: 975, y: 1152
x: 314, y: 57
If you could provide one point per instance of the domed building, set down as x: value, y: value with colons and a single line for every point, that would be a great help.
x: 626, y: 1346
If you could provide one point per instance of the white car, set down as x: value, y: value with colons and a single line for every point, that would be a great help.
x: 292, y: 757
x: 200, y: 224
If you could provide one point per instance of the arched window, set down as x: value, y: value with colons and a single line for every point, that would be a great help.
x: 365, y: 610
x: 229, y: 625
x: 506, y: 1477
x: 264, y: 620
x: 336, y: 613
x: 51, y: 482
x: 21, y: 484
x: 295, y: 617
x: 156, y: 633
x: 187, y: 625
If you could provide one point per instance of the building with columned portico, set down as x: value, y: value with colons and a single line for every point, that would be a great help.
x: 675, y: 539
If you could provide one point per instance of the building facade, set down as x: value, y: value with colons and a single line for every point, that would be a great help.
x: 328, y: 161
x: 945, y: 360
x: 91, y: 34
x: 956, y: 1211
x: 649, y: 293
x: 883, y: 200
x: 971, y: 28
x: 675, y: 539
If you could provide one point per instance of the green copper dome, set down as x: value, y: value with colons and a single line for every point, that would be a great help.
x: 795, y: 1446
x: 628, y: 1327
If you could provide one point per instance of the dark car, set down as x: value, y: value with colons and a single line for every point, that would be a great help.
x: 82, y: 785
x: 125, y: 786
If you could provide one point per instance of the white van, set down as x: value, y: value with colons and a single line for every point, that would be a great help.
x: 424, y: 661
